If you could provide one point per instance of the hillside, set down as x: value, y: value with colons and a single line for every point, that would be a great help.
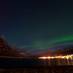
x: 6, y: 50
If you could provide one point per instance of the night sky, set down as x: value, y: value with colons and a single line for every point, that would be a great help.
x: 36, y: 25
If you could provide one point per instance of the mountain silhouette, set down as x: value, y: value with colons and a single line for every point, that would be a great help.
x: 6, y: 50
x: 60, y: 50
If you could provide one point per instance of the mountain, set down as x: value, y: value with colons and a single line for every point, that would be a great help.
x: 64, y: 50
x: 60, y: 50
x: 6, y: 50
x: 24, y: 52
x: 68, y: 50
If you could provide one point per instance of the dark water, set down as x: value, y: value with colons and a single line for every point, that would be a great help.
x: 31, y: 66
x: 56, y: 69
x: 18, y: 63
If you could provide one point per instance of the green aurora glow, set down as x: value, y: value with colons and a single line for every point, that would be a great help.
x: 53, y: 42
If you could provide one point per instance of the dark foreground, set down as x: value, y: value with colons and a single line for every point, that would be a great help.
x: 55, y: 69
x: 31, y: 66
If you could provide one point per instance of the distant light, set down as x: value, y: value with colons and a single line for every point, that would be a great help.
x: 42, y: 57
x: 57, y: 57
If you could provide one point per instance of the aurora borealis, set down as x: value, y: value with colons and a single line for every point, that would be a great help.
x: 54, y: 42
x: 37, y: 25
